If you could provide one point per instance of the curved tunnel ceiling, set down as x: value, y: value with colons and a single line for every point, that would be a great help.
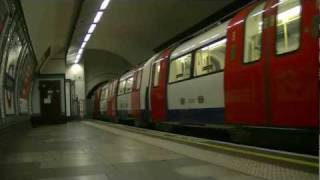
x: 133, y: 28
x: 100, y: 66
x: 49, y: 23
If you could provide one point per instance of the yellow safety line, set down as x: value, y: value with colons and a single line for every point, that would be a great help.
x: 295, y: 161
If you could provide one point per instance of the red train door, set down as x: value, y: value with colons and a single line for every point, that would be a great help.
x: 158, y: 87
x: 245, y: 88
x: 280, y: 88
x: 96, y: 111
x: 109, y: 100
x: 135, y: 95
x: 112, y: 100
x: 294, y: 64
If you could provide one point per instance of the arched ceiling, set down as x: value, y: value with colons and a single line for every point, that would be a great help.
x: 133, y: 28
x: 100, y: 66
x: 127, y: 34
x: 49, y: 24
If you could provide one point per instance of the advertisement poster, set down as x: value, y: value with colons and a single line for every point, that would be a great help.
x: 13, y: 55
x: 3, y: 15
x: 3, y: 20
x: 25, y: 84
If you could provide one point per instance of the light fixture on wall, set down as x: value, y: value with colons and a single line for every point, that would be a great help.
x: 91, y: 29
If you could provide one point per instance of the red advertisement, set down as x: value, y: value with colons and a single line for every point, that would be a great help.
x: 12, y: 58
x: 26, y: 82
x: 3, y: 15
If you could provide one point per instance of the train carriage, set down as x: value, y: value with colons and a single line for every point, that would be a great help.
x: 195, y: 85
x: 135, y: 112
x: 96, y: 103
x: 112, y: 100
x: 124, y: 96
x: 259, y: 69
x: 103, y: 101
x: 272, y: 65
x: 158, y: 87
x: 144, y: 94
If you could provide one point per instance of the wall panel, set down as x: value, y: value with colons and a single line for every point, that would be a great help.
x: 17, y: 64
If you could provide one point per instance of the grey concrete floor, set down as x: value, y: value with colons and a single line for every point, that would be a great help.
x: 76, y: 151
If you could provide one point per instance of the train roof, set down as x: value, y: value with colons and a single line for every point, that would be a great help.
x: 126, y: 75
x: 198, y: 41
x: 151, y: 59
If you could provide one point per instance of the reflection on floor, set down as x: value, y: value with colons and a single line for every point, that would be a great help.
x: 76, y: 151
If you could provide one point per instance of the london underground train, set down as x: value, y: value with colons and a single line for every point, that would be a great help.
x: 258, y: 69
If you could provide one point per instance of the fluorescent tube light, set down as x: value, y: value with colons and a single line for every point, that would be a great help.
x: 80, y: 51
x: 104, y: 4
x: 78, y: 58
x: 92, y: 28
x: 86, y: 39
x: 98, y: 17
x: 83, y: 45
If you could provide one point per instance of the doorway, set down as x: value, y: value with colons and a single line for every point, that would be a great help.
x: 50, y: 101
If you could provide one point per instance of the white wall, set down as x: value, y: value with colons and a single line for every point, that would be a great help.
x: 53, y: 69
x: 75, y: 72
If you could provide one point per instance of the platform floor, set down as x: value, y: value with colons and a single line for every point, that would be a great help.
x: 77, y: 151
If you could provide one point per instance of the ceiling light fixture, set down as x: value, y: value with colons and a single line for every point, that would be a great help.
x: 86, y: 39
x: 92, y: 28
x: 80, y: 51
x: 78, y: 56
x: 83, y: 45
x: 98, y: 17
x: 104, y: 4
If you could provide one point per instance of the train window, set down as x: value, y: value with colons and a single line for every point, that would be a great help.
x: 288, y: 26
x: 121, y: 87
x: 210, y: 58
x: 180, y: 68
x: 253, y: 33
x: 129, y: 85
x: 156, y: 74
x: 139, y: 74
